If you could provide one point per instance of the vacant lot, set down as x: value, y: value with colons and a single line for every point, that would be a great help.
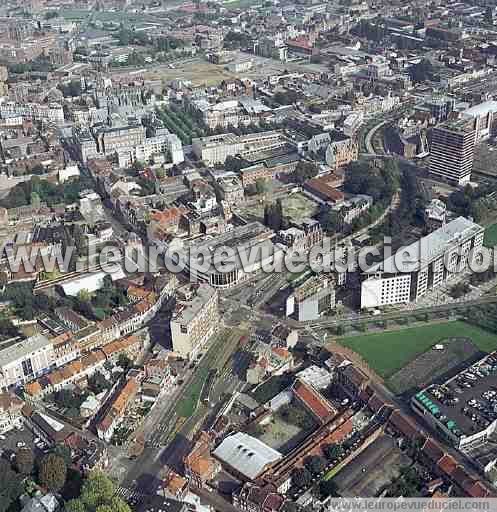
x: 296, y: 207
x: 287, y: 428
x: 433, y: 364
x: 374, y: 468
x: 200, y: 73
x: 278, y: 434
x: 490, y: 239
x: 388, y: 352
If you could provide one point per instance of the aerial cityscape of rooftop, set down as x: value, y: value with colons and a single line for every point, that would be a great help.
x: 247, y: 254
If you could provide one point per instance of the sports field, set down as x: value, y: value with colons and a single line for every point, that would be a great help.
x: 490, y: 239
x: 388, y: 352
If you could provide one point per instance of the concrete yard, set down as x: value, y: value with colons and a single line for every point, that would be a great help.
x: 278, y: 434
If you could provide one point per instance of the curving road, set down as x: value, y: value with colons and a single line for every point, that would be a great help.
x: 370, y: 135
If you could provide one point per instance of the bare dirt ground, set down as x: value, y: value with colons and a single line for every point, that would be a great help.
x: 433, y: 364
x: 200, y: 73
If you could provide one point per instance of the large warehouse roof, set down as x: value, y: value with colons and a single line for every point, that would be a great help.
x: 245, y: 454
x: 89, y: 282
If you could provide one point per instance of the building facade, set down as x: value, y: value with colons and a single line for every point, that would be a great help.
x: 424, y: 265
x: 195, y: 319
x: 312, y: 299
x: 452, y: 151
x: 26, y: 360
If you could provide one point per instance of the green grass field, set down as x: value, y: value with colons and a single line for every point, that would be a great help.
x: 490, y: 239
x: 388, y: 352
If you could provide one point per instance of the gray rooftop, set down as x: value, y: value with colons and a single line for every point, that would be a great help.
x: 187, y: 310
x: 23, y: 349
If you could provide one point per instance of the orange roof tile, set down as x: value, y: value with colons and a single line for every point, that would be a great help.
x: 314, y: 401
x: 33, y: 388
x: 282, y: 352
x: 477, y: 490
x: 447, y: 464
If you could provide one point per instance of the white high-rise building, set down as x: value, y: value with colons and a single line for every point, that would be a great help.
x: 426, y: 264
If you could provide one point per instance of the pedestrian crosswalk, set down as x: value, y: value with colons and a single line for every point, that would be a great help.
x: 130, y: 496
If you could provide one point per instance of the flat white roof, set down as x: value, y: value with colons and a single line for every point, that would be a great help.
x: 90, y: 282
x: 52, y: 422
x: 23, y: 349
x: 482, y: 109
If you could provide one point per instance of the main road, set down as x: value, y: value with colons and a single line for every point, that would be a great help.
x: 330, y: 322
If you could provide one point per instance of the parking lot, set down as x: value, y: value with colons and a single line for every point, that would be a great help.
x: 468, y: 402
x: 11, y: 441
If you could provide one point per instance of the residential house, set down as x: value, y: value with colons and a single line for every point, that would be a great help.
x: 200, y: 466
x: 116, y: 408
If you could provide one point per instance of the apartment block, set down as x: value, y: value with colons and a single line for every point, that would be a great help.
x: 195, y: 319
x: 214, y: 150
x: 424, y: 265
x: 10, y: 412
x: 114, y: 139
x: 452, y: 151
x: 159, y: 144
x: 341, y: 152
x: 311, y: 299
x: 26, y: 360
x: 52, y: 113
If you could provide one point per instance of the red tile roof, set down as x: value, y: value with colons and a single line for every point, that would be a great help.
x: 300, y: 42
x: 477, y: 490
x: 315, y: 402
x: 323, y: 186
x: 339, y: 434
x: 461, y: 478
x: 447, y: 464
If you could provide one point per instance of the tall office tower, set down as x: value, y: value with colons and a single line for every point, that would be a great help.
x: 452, y: 151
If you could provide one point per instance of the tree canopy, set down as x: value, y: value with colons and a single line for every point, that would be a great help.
x: 52, y: 194
x: 421, y: 71
x: 301, y: 477
x: 98, y: 495
x: 304, y: 171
